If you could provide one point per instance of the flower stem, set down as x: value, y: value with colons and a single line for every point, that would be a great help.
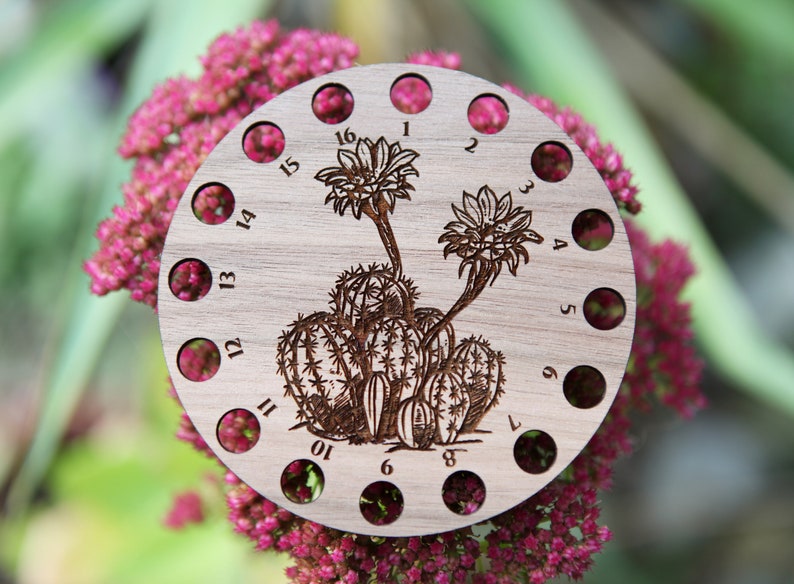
x: 381, y: 218
x: 474, y: 286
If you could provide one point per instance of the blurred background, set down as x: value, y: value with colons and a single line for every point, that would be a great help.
x: 698, y: 96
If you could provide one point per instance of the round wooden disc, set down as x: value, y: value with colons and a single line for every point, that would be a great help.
x: 400, y: 325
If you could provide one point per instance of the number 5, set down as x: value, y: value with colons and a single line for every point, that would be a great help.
x: 290, y: 167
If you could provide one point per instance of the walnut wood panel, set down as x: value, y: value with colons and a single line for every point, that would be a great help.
x: 397, y: 297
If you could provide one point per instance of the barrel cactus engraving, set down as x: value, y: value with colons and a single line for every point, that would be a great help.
x: 480, y: 369
x: 377, y: 400
x: 366, y: 295
x: 416, y: 423
x: 450, y: 399
x: 377, y: 368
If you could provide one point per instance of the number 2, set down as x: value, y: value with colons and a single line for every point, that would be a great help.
x: 568, y: 309
x: 472, y: 146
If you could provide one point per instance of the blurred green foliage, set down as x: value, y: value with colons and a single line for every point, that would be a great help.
x: 87, y: 458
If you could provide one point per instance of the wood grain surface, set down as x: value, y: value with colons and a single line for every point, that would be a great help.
x: 392, y: 303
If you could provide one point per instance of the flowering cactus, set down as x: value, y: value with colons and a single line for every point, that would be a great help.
x: 450, y: 399
x: 369, y: 180
x: 556, y: 532
x: 416, y: 422
x: 480, y: 368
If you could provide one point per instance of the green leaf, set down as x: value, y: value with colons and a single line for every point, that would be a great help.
x: 73, y: 35
x: 550, y: 49
x: 765, y: 24
x: 177, y: 32
x: 113, y: 489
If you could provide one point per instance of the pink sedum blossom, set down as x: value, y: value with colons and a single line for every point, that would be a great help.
x: 186, y: 509
x: 172, y: 133
x: 555, y: 532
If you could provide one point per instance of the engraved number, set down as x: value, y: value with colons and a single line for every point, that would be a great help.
x: 226, y: 280
x: 559, y: 244
x: 405, y: 129
x: 549, y: 372
x: 527, y: 187
x: 290, y: 167
x: 568, y: 309
x: 513, y: 424
x: 386, y: 468
x: 234, y: 348
x: 348, y: 137
x: 267, y: 407
x: 473, y: 145
x: 449, y: 457
x: 247, y: 217
x: 319, y: 448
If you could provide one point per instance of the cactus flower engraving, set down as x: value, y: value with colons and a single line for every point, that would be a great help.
x: 368, y: 181
x: 377, y: 368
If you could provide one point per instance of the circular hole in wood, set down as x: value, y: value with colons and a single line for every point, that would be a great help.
x: 552, y: 161
x: 302, y: 481
x: 332, y: 103
x: 238, y: 431
x: 535, y: 451
x: 381, y: 503
x: 488, y: 114
x: 213, y: 203
x: 411, y: 94
x: 463, y: 492
x: 584, y: 387
x: 592, y: 230
x: 198, y: 359
x: 263, y: 142
x: 604, y: 309
x: 190, y: 280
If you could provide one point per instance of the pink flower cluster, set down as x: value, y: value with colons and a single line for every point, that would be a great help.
x: 172, y: 133
x: 607, y: 161
x: 663, y: 363
x: 555, y: 532
x: 187, y: 508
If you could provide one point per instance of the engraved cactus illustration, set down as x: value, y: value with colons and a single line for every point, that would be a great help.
x: 377, y: 368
